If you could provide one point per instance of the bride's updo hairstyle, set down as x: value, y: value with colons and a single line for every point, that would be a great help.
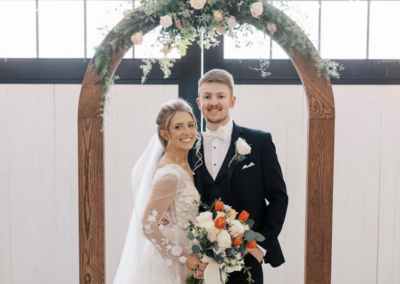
x: 165, y: 114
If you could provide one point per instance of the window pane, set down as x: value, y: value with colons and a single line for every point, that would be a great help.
x: 103, y: 16
x: 306, y: 14
x: 18, y: 36
x: 344, y: 29
x: 384, y: 40
x: 254, y: 46
x: 150, y: 48
x: 61, y: 29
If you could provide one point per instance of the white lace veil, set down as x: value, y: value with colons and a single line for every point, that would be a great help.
x: 136, y: 261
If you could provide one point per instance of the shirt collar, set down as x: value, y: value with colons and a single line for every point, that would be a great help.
x: 227, y: 128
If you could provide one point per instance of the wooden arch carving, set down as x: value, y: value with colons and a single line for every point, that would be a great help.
x: 320, y: 158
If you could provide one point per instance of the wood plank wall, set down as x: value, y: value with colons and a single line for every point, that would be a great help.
x: 39, y: 178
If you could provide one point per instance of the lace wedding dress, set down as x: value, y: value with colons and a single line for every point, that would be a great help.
x: 173, y: 195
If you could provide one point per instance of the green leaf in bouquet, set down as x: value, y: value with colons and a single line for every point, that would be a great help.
x: 250, y: 223
x: 190, y: 236
x: 215, y: 244
x: 195, y: 249
x: 250, y: 235
x: 259, y: 237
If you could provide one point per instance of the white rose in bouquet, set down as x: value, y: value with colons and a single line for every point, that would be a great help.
x: 198, y: 4
x: 256, y: 9
x: 219, y: 214
x: 231, y: 21
x: 224, y: 239
x: 166, y: 21
x: 236, y: 228
x: 246, y: 227
x: 204, y: 217
x: 208, y: 225
x: 137, y: 38
x: 242, y: 147
x: 212, y: 234
x: 127, y: 14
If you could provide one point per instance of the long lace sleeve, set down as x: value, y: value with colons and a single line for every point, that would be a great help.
x: 164, y: 191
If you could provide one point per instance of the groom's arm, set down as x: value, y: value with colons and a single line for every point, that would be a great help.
x: 274, y: 192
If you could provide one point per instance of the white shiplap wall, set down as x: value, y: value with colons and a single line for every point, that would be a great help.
x: 39, y: 178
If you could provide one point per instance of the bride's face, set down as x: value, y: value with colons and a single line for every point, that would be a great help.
x: 182, y: 131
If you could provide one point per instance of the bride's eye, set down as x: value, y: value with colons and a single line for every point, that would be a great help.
x: 191, y: 125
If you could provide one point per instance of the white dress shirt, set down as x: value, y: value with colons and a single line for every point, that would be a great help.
x: 216, y: 150
x: 215, y: 153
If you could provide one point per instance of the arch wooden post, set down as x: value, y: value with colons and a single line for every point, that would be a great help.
x: 321, y: 129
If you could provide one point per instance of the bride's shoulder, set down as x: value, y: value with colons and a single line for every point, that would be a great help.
x: 165, y: 170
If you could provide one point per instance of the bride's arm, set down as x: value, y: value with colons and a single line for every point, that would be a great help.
x: 163, y: 194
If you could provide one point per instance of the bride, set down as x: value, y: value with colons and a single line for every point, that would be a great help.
x: 163, y: 187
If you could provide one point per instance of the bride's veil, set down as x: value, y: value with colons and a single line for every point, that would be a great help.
x: 136, y: 261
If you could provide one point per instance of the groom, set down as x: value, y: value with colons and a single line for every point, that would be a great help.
x: 245, y: 184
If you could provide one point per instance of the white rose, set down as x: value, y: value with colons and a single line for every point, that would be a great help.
x: 202, y: 29
x: 217, y: 16
x: 221, y: 30
x: 256, y: 9
x: 137, y: 38
x: 208, y: 225
x: 197, y: 4
x: 166, y: 21
x: 242, y: 147
x: 204, y: 217
x: 231, y: 21
x: 236, y: 228
x: 212, y: 235
x: 224, y: 239
x: 166, y: 49
x: 127, y: 14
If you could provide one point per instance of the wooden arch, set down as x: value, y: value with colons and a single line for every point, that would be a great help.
x: 320, y: 158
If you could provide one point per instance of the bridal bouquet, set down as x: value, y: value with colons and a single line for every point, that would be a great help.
x: 221, y: 238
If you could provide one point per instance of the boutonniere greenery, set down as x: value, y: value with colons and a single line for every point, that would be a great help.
x: 242, y: 149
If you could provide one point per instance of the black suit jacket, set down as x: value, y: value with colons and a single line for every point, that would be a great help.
x: 250, y: 187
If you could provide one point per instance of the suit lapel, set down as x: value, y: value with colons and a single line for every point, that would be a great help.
x: 236, y: 132
x: 195, y: 162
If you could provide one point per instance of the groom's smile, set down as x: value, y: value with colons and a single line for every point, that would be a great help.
x: 215, y: 100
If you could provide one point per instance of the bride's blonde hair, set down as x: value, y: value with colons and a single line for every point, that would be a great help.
x: 165, y: 114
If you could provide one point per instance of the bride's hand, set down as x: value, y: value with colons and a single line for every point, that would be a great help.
x: 194, y: 264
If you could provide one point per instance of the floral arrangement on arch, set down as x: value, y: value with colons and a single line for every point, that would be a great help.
x: 186, y: 21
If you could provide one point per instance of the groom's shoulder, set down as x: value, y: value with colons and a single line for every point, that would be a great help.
x: 255, y: 132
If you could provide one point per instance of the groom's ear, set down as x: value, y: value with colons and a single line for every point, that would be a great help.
x: 232, y: 102
x: 198, y: 102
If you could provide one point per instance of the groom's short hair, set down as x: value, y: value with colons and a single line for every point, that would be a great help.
x: 217, y: 75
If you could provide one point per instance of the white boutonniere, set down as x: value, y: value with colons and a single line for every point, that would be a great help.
x: 242, y: 149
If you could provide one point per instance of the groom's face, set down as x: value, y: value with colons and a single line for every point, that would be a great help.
x: 215, y: 100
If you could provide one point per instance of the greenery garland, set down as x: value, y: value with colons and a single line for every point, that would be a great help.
x: 184, y: 21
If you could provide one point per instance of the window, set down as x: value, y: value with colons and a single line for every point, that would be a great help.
x: 344, y: 29
x: 61, y: 29
x: 18, y: 38
x: 384, y: 40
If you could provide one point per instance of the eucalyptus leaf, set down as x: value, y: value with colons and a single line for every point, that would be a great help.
x: 250, y: 235
x: 195, y: 249
x: 259, y: 237
x: 190, y: 236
